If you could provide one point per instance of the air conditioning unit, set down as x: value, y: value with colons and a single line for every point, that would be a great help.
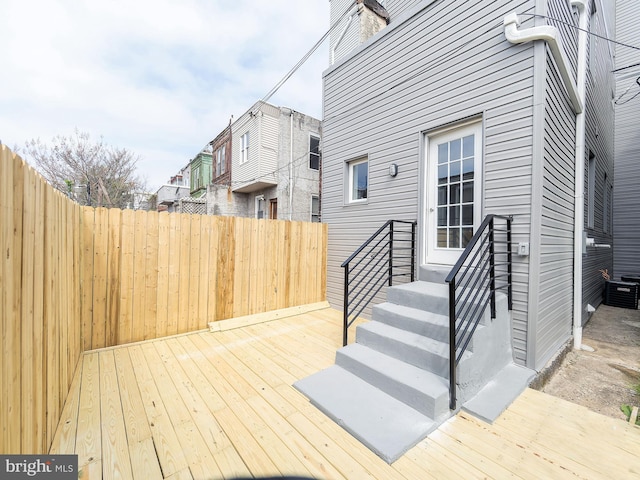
x: 621, y: 294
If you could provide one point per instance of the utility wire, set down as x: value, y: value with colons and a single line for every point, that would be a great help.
x: 582, y: 29
x: 306, y: 56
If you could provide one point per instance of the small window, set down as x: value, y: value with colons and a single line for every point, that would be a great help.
x: 608, y: 201
x: 358, y: 180
x: 315, y: 208
x: 591, y: 190
x: 314, y: 152
x: 244, y: 148
x: 260, y: 206
x: 221, y: 164
x: 273, y: 209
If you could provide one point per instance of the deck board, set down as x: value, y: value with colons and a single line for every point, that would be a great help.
x: 221, y: 405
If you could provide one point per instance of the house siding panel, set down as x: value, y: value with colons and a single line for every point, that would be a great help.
x: 600, y: 140
x: 419, y: 75
x: 626, y: 200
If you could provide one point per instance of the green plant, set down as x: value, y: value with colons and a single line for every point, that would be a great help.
x: 626, y: 409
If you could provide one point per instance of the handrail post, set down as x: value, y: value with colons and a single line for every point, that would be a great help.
x: 452, y: 344
x: 492, y: 274
x: 391, y: 253
x: 413, y: 251
x: 345, y: 307
x: 509, y: 269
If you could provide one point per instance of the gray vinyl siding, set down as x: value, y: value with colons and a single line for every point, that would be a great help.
x: 554, y: 291
x: 446, y: 62
x: 626, y: 196
x: 555, y: 275
x: 600, y: 133
x: 345, y: 36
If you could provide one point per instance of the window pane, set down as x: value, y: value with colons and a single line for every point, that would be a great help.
x: 467, y: 215
x: 442, y: 216
x: 456, y: 147
x: 360, y: 181
x: 442, y: 195
x: 467, y: 192
x: 443, y: 173
x: 454, y: 216
x: 442, y: 238
x: 467, y: 169
x: 443, y: 153
x: 454, y: 238
x: 467, y: 234
x: 455, y: 172
x: 467, y: 146
x: 454, y: 193
x: 314, y: 153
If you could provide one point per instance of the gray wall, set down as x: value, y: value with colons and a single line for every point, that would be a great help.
x: 413, y: 77
x: 626, y: 196
x: 448, y: 61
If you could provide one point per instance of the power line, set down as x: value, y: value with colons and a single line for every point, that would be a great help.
x: 582, y: 29
x: 306, y: 56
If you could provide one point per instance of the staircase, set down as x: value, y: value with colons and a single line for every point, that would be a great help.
x: 391, y: 388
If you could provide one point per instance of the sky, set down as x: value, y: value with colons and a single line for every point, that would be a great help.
x: 160, y: 78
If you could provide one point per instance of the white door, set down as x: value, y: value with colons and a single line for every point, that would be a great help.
x: 453, y: 196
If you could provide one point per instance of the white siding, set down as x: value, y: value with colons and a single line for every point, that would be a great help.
x: 626, y: 196
x: 418, y: 75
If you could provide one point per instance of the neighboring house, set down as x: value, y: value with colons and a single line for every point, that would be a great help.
x: 267, y: 165
x: 178, y: 186
x: 439, y: 89
x: 201, y: 173
x: 626, y: 195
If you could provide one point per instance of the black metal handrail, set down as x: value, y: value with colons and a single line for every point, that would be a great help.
x: 389, y: 253
x: 473, y: 282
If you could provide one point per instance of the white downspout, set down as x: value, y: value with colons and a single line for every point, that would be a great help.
x: 583, y: 38
x: 576, y: 91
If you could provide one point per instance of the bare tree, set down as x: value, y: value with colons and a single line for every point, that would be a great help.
x: 90, y: 172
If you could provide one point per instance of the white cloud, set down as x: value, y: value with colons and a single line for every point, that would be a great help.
x: 158, y: 77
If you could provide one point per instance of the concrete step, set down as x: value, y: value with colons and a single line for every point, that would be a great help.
x: 384, y: 424
x: 414, y: 320
x: 420, y: 389
x: 431, y: 297
x: 499, y: 392
x: 422, y: 352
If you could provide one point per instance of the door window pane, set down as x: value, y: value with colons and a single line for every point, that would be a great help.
x: 455, y: 195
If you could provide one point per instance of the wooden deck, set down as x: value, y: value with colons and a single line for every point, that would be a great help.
x: 221, y: 405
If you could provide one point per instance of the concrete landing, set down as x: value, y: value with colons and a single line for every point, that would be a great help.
x: 385, y: 425
x: 499, y: 392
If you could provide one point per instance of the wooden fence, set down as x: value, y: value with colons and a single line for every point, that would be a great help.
x: 40, y: 316
x: 147, y: 275
x: 75, y: 278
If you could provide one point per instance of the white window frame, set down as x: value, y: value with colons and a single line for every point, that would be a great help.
x: 315, y: 214
x: 260, y: 198
x: 317, y: 154
x: 350, y: 186
x: 221, y: 164
x: 591, y: 191
x: 244, y: 147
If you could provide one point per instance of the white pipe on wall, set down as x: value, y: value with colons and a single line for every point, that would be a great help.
x: 583, y: 39
x: 576, y: 91
x: 552, y: 36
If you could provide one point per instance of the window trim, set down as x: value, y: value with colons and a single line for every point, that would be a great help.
x: 350, y: 168
x: 318, y: 154
x: 245, y: 141
x: 591, y: 190
x: 317, y: 214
